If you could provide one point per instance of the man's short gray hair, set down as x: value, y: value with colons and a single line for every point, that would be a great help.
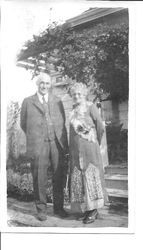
x: 42, y: 77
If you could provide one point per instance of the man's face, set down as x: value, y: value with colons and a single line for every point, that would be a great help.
x: 43, y: 87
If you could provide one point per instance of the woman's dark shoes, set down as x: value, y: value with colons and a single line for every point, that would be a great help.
x: 91, y: 217
x: 82, y: 216
x: 61, y: 213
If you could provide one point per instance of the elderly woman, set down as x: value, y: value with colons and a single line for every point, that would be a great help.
x: 87, y: 192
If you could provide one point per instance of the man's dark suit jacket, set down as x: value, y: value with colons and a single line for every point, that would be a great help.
x: 33, y: 123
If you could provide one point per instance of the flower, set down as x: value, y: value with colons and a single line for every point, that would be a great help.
x: 82, y: 128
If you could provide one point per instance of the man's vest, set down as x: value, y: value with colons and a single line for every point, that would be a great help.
x: 50, y: 135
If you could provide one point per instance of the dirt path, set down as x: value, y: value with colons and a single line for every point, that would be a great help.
x: 23, y: 214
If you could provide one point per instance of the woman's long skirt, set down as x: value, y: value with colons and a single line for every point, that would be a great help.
x: 87, y: 186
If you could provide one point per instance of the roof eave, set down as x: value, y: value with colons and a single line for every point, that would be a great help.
x: 92, y: 15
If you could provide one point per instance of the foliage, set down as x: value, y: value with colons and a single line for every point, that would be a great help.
x: 17, y: 171
x: 13, y: 112
x: 19, y: 185
x: 20, y: 181
x: 96, y: 56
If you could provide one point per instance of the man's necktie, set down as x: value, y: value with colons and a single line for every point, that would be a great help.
x: 50, y: 129
x: 46, y: 109
x: 44, y: 101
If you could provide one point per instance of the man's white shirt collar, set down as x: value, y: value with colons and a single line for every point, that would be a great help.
x: 41, y: 97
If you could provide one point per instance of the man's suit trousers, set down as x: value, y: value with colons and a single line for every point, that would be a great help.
x: 51, y: 156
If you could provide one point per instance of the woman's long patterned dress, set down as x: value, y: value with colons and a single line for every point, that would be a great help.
x: 87, y: 190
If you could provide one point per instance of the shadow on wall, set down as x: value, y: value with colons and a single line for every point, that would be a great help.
x: 117, y: 141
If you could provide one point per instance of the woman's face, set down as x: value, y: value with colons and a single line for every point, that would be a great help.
x: 78, y: 97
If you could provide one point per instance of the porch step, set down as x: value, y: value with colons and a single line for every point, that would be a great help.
x: 116, y: 169
x: 116, y: 181
x: 118, y: 193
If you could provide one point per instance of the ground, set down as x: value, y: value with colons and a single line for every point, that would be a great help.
x: 23, y: 214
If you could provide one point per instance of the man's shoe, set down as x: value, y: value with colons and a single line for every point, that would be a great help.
x: 62, y: 213
x: 41, y: 216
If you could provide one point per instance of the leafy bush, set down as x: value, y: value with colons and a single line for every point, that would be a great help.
x: 13, y: 112
x: 20, y: 182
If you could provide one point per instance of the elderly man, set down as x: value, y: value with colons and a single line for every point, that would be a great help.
x: 43, y: 121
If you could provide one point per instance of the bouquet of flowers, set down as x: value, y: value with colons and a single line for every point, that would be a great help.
x: 84, y: 129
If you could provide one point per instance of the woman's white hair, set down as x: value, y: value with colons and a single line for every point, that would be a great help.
x: 78, y: 86
x: 42, y: 77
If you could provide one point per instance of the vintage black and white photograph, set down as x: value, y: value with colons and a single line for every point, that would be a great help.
x: 66, y: 74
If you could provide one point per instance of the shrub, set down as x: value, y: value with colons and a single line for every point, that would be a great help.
x: 20, y: 182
